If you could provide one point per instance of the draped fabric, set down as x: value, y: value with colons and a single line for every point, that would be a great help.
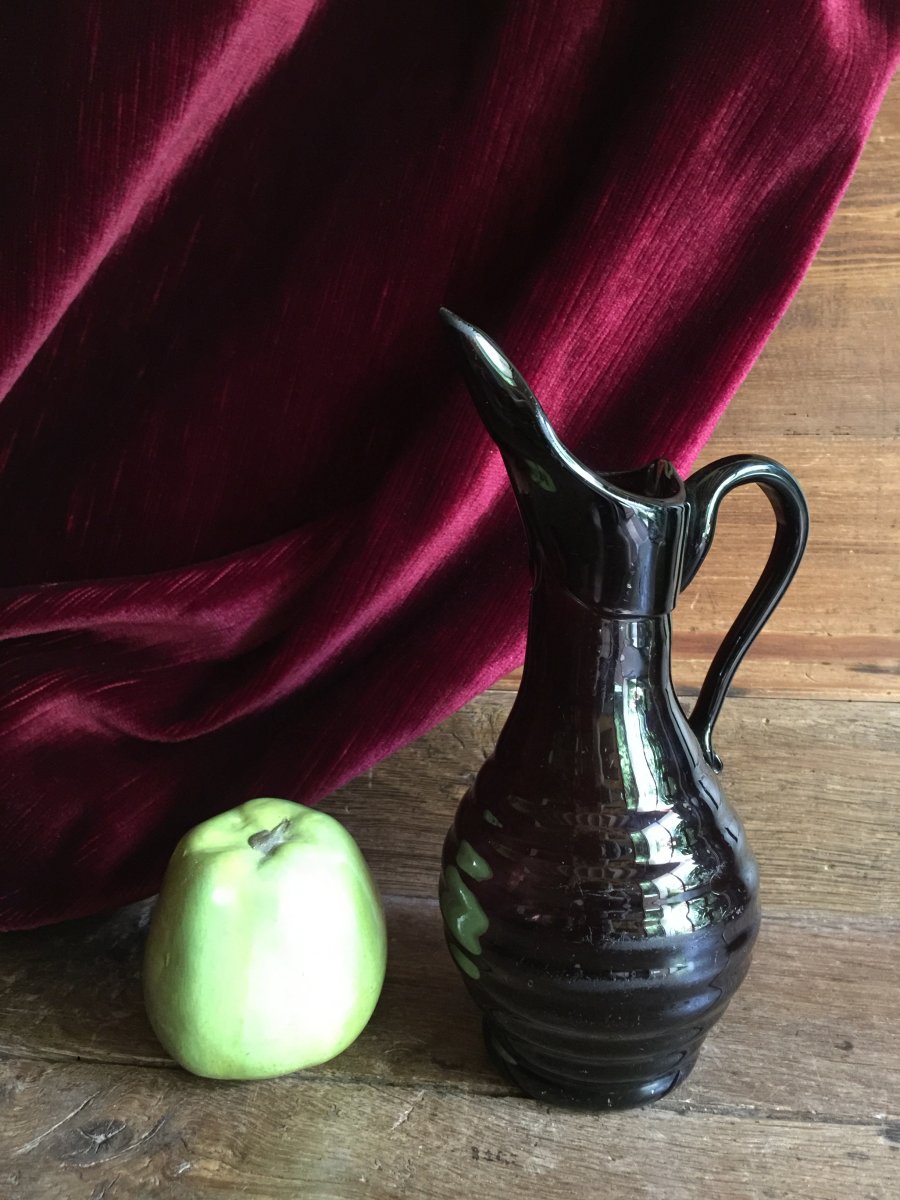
x: 253, y: 536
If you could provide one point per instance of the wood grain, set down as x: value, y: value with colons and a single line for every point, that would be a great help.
x: 120, y: 1133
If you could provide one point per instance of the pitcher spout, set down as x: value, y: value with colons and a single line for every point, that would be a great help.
x: 614, y: 539
x: 510, y: 410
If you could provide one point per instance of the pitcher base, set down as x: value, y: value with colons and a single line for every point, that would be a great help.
x: 595, y: 1095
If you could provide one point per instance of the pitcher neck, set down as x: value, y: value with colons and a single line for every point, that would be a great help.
x: 583, y: 655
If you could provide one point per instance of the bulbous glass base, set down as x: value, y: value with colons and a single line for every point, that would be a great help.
x: 571, y: 1085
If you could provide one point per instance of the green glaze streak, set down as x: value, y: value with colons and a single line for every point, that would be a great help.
x: 464, y: 962
x: 463, y: 915
x: 472, y: 863
x: 491, y: 819
x: 540, y: 476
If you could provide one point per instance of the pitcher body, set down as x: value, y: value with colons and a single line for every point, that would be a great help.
x: 597, y: 891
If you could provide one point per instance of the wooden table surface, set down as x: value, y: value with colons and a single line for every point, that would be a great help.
x: 798, y: 1089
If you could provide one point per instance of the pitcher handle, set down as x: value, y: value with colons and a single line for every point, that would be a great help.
x: 705, y: 491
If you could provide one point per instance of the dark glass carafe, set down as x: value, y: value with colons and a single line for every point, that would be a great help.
x: 598, y: 893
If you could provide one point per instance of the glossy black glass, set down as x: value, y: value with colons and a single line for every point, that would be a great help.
x: 598, y: 893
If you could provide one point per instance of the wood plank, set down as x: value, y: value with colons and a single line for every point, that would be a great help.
x: 840, y: 622
x: 82, y: 1132
x: 74, y: 994
x: 786, y: 666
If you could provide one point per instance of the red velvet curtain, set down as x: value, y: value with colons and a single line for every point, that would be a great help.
x: 253, y: 534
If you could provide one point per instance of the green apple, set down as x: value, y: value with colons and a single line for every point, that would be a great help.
x: 266, y: 950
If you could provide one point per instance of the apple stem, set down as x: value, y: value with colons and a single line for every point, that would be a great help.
x: 268, y: 840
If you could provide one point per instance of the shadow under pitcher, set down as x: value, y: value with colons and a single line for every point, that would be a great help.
x: 597, y: 891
